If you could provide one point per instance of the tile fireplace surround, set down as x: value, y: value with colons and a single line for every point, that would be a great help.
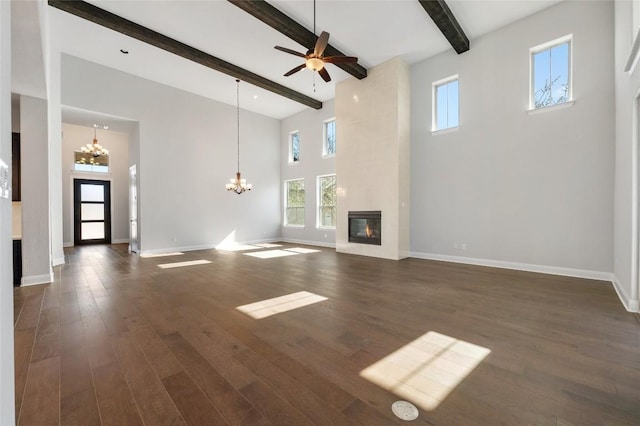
x: 372, y: 164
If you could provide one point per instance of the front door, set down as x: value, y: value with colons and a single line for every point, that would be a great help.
x: 92, y: 211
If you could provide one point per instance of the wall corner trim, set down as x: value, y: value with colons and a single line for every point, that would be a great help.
x: 634, y: 55
x: 630, y: 304
x: 37, y: 279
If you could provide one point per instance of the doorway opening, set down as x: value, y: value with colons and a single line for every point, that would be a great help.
x: 91, y: 211
x: 133, y: 210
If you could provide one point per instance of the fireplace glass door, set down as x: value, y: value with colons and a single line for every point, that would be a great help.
x: 365, y: 227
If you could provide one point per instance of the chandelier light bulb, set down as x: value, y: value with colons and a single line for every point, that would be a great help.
x: 95, y: 149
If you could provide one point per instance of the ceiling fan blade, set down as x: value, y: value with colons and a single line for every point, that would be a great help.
x: 295, y: 70
x: 324, y: 74
x: 339, y: 59
x: 293, y: 52
x: 321, y: 43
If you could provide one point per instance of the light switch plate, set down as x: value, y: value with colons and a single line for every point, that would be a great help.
x: 4, y: 179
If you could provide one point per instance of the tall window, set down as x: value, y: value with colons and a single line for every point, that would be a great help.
x: 86, y: 163
x: 445, y: 103
x: 294, y: 147
x: 327, y: 201
x: 294, y: 202
x: 551, y: 73
x: 329, y: 140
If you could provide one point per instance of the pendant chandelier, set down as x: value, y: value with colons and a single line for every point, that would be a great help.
x: 238, y: 185
x: 95, y: 149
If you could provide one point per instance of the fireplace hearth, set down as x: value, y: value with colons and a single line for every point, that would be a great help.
x: 365, y: 227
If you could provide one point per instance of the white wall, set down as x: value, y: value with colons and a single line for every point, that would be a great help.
x: 7, y: 391
x: 310, y: 124
x: 512, y: 187
x: 627, y: 87
x: 73, y: 137
x: 187, y: 154
x: 36, y: 254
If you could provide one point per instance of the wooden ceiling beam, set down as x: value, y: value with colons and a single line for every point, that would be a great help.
x: 444, y: 19
x: 277, y: 20
x: 124, y: 26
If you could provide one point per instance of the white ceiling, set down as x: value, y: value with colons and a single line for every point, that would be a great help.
x: 375, y: 31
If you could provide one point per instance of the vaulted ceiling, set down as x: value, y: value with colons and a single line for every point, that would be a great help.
x: 374, y: 31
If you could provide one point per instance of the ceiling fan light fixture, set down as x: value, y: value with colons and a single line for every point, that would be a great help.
x: 315, y: 64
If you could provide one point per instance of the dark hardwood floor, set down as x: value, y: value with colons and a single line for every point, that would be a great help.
x: 118, y: 340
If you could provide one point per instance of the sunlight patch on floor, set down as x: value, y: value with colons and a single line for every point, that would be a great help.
x: 302, y: 250
x: 426, y: 370
x: 174, y: 253
x: 268, y: 245
x: 182, y: 264
x: 270, y: 254
x: 277, y: 305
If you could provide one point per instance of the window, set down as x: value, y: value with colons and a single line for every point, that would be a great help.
x: 445, y: 103
x: 327, y: 201
x: 551, y: 73
x: 294, y: 202
x: 294, y: 147
x: 84, y: 162
x: 329, y: 140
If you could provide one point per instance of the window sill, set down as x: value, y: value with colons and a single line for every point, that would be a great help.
x: 294, y: 226
x: 445, y: 131
x: 326, y: 228
x: 293, y: 163
x: 325, y: 156
x: 563, y: 105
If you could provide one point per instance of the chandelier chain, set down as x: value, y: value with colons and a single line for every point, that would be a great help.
x: 238, y: 118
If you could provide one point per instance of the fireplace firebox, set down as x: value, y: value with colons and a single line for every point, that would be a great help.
x: 365, y: 227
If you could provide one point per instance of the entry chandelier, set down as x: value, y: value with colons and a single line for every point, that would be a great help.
x: 238, y: 185
x: 95, y: 149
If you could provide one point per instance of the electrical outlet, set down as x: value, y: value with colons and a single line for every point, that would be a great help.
x: 464, y: 246
x: 455, y: 245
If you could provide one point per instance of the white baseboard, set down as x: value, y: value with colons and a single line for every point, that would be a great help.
x: 177, y: 249
x: 543, y: 269
x: 629, y: 304
x: 307, y: 242
x: 120, y: 241
x: 57, y: 261
x: 37, y: 279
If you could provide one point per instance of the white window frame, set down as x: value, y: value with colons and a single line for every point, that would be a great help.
x: 286, y: 203
x: 434, y: 104
x: 325, y: 154
x: 290, y: 143
x: 319, y: 198
x: 545, y: 46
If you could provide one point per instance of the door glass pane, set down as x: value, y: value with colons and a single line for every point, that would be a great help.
x: 92, y: 230
x: 90, y: 192
x: 92, y: 212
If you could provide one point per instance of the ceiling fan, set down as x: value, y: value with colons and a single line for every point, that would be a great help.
x: 314, y: 58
